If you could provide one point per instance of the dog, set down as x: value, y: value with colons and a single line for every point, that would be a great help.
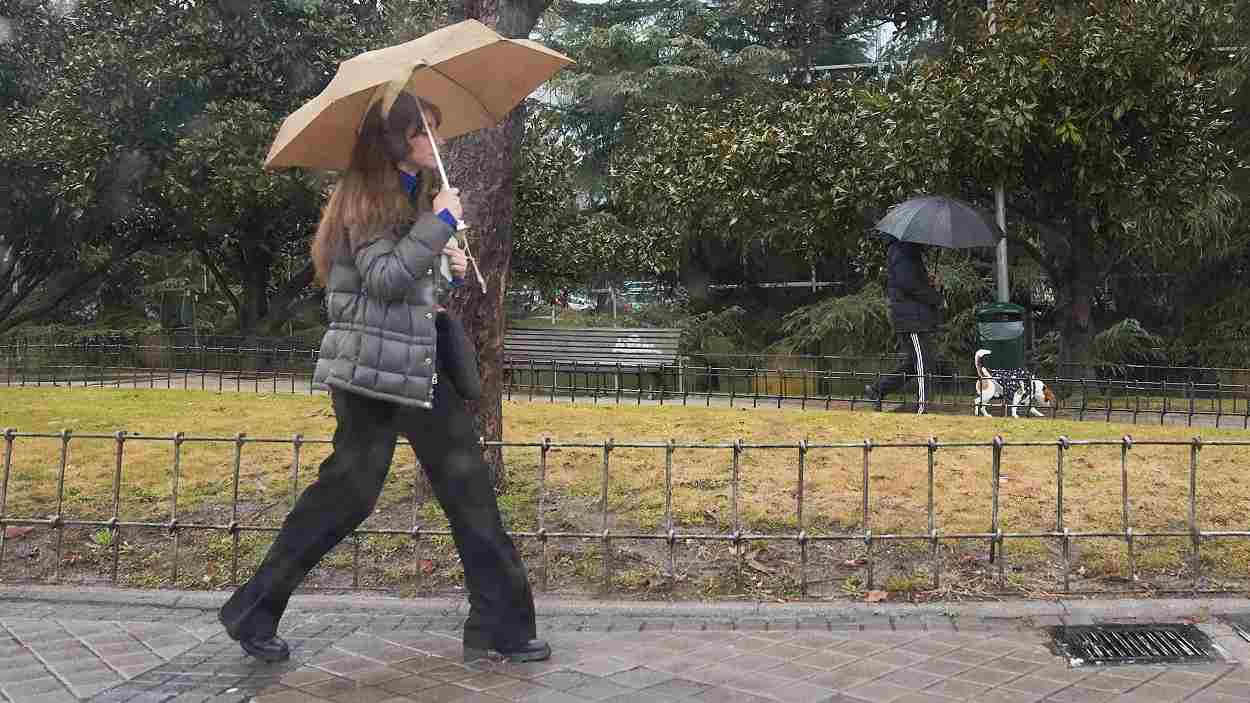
x: 1017, y: 384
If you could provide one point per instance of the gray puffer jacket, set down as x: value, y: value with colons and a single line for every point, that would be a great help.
x: 382, y: 341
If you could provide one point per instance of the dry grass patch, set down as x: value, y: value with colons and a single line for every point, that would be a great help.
x: 702, y: 486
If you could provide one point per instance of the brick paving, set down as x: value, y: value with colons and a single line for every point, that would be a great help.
x: 64, y: 645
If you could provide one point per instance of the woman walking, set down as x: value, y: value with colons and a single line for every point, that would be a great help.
x: 393, y: 369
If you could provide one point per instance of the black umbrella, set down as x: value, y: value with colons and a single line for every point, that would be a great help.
x: 938, y: 221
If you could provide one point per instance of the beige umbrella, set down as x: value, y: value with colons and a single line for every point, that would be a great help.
x: 472, y: 74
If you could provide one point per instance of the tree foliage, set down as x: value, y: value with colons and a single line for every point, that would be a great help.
x: 1099, y: 123
x: 138, y: 123
x: 792, y: 174
x: 687, y: 140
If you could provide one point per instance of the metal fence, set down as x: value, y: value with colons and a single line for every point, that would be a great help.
x: 670, y: 533
x: 1217, y: 403
x: 1208, y: 396
x: 230, y: 364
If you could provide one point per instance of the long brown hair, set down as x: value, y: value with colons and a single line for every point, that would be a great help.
x: 369, y: 194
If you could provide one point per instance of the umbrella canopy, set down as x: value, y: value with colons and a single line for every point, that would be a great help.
x: 939, y: 221
x: 472, y: 74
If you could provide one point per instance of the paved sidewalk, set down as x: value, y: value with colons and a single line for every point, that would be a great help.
x: 70, y: 644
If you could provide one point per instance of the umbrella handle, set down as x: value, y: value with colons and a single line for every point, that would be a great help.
x: 461, y: 225
x: 438, y: 159
x: 429, y: 133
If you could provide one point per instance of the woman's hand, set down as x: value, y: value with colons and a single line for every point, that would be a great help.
x: 456, y: 259
x: 449, y: 200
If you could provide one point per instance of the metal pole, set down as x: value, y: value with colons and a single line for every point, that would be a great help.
x: 1004, y: 289
x: 1000, y: 211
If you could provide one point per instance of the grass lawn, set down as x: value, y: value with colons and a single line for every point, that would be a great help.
x: 702, y: 495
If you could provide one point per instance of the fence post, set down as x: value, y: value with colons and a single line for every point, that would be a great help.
x: 114, y: 530
x: 681, y: 378
x: 802, y: 535
x: 543, y: 449
x: 707, y: 384
x: 1219, y: 401
x: 995, y: 469
x: 1163, y: 413
x: 57, y: 521
x: 1195, y: 535
x: 866, y: 518
x: 737, y: 524
x: 174, y: 532
x: 1066, y: 540
x: 1126, y: 443
x: 934, y: 542
x: 607, y: 540
x: 668, y: 512
x: 233, y: 528
x: 4, y: 488
x: 755, y: 383
x: 1192, y: 392
x: 781, y: 385
x: 1245, y: 420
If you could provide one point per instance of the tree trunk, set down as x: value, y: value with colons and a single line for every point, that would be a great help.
x: 255, y: 266
x: 283, y: 305
x: 482, y: 166
x: 1076, y: 303
x: 1076, y: 344
x: 63, y: 290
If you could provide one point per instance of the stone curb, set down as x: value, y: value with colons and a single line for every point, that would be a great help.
x: 1069, y: 609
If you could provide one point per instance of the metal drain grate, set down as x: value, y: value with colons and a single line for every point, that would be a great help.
x: 1240, y: 625
x: 1133, y: 644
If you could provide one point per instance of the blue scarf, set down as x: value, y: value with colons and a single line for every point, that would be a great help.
x: 410, y: 181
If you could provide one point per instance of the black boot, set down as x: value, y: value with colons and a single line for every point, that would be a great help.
x: 267, y: 648
x: 531, y: 651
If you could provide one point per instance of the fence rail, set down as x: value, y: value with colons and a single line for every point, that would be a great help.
x: 671, y: 533
x: 1210, y: 396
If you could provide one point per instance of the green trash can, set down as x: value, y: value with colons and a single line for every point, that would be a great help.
x: 1000, y: 328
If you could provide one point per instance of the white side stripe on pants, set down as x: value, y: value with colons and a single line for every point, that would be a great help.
x: 915, y: 342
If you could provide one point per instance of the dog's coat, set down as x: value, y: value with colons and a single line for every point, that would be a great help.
x: 1017, y: 384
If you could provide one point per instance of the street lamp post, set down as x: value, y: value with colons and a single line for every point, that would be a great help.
x: 1000, y: 211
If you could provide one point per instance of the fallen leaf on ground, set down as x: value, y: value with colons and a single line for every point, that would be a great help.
x: 876, y: 596
x: 853, y: 563
x: 17, y: 531
x: 427, y: 566
x: 758, y: 558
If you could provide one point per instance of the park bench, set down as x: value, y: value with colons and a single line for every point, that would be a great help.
x: 598, y: 352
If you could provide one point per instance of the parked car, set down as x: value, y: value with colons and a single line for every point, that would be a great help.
x: 576, y: 301
x: 524, y: 299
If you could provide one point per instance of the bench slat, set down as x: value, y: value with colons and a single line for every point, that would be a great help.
x: 589, y: 334
x: 617, y: 344
x: 601, y: 348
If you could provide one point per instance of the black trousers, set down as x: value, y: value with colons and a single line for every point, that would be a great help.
x: 501, y: 605
x: 919, y: 362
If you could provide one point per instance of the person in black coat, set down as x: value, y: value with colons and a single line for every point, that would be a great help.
x: 916, y: 309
